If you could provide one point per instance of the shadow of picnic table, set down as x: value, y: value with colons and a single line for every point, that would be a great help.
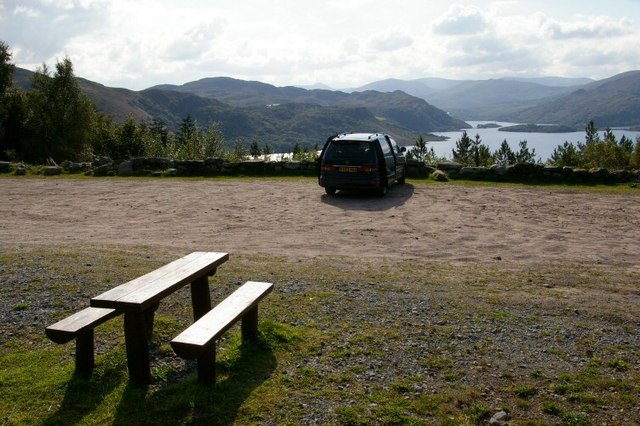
x: 177, y: 398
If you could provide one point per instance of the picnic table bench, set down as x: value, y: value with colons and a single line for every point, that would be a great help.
x: 79, y: 326
x: 139, y: 299
x: 198, y: 341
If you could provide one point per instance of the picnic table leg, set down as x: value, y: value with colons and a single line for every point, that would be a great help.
x: 84, y: 353
x: 149, y: 315
x: 200, y: 297
x: 250, y: 325
x: 207, y: 366
x: 137, y: 347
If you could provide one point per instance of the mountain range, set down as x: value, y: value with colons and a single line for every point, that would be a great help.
x: 283, y: 116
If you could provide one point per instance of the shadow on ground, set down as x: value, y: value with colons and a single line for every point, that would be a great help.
x: 175, y: 399
x: 396, y: 196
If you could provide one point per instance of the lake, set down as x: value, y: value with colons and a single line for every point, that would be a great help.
x: 543, y: 143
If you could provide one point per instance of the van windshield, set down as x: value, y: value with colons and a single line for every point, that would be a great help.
x: 350, y: 151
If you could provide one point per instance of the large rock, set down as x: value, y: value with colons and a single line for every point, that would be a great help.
x: 75, y: 167
x: 104, y: 170
x: 52, y: 171
x: 125, y: 168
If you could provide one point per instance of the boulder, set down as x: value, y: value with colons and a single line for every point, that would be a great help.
x: 125, y: 168
x: 104, y: 170
x: 499, y: 418
x: 440, y: 176
x: 52, y: 171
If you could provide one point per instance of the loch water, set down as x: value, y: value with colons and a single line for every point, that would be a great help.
x: 543, y: 143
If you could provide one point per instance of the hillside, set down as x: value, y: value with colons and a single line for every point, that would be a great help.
x: 395, y: 108
x: 570, y: 102
x: 613, y: 102
x: 480, y: 99
x: 278, y: 116
x: 284, y: 116
x: 487, y: 99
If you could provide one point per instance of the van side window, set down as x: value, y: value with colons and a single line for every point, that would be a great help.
x: 386, y: 148
x: 395, y: 146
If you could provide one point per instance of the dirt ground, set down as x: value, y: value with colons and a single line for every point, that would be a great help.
x: 444, y: 222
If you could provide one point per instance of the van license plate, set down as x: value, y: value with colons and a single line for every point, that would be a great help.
x: 348, y: 169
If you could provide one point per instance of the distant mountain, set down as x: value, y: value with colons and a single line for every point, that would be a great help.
x: 396, y: 108
x: 487, y: 99
x: 480, y: 99
x: 553, y: 81
x: 22, y: 78
x: 413, y: 88
x: 613, y: 102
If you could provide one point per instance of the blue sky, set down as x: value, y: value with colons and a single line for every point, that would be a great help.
x: 348, y: 43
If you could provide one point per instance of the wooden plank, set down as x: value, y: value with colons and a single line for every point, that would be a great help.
x: 150, y: 288
x: 86, y: 319
x: 202, y: 333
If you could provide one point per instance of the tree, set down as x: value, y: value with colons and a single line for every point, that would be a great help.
x: 504, y: 156
x: 60, y: 117
x: 266, y: 151
x: 419, y: 151
x: 297, y: 150
x: 635, y: 155
x: 565, y: 155
x: 238, y: 152
x: 156, y: 139
x: 481, y: 154
x: 212, y: 141
x: 254, y: 149
x: 591, y: 133
x: 129, y: 140
x: 7, y: 99
x: 524, y: 156
x: 103, y: 139
x: 188, y: 129
x: 6, y: 69
x: 463, y: 152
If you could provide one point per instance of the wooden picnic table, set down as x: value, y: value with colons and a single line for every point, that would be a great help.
x: 139, y: 299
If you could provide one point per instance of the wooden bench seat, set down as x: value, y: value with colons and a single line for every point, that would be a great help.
x: 198, y: 341
x: 79, y: 326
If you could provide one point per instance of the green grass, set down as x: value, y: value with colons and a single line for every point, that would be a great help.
x: 340, y: 342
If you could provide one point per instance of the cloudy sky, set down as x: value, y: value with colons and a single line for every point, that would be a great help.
x: 342, y: 43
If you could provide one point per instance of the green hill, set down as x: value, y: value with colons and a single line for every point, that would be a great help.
x: 613, y: 102
x: 278, y: 116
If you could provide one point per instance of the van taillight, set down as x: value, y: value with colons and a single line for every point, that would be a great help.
x: 328, y: 168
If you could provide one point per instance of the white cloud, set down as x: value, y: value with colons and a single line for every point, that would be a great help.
x: 390, y: 42
x: 460, y: 20
x: 195, y: 42
x: 40, y: 29
x: 587, y: 28
x: 140, y: 43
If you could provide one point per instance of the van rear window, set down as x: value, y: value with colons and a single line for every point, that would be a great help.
x: 354, y: 151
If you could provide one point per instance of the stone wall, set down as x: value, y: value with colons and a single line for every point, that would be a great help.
x: 537, y: 173
x: 105, y: 166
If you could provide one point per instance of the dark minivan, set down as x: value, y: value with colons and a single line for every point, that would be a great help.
x: 361, y: 161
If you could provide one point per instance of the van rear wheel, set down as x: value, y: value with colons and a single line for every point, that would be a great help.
x: 382, y: 189
x: 330, y: 191
x: 403, y: 178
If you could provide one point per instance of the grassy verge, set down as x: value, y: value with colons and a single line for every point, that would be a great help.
x: 343, y: 341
